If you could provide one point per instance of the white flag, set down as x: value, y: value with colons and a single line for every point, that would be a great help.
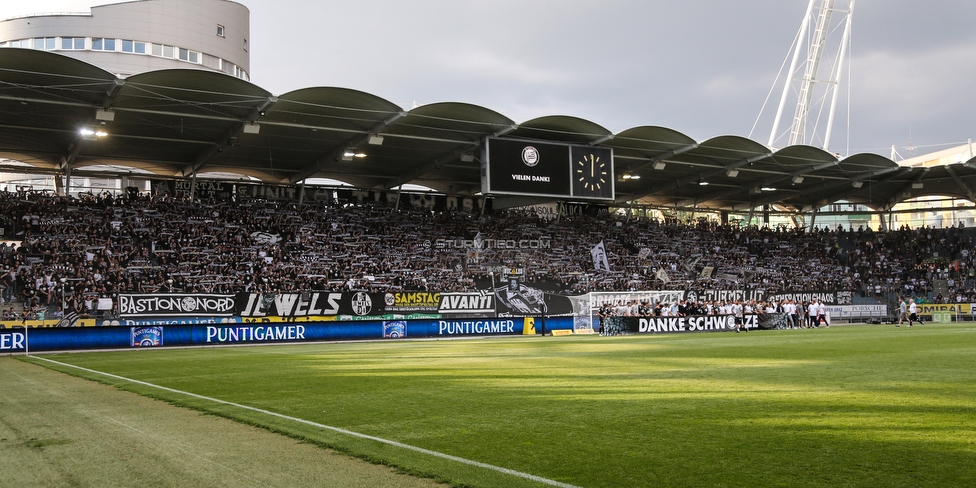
x: 643, y: 254
x: 478, y: 242
x: 662, y: 275
x: 599, y: 254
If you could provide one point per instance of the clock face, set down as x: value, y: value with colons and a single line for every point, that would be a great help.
x: 592, y: 173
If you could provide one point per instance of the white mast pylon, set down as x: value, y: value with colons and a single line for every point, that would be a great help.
x: 803, y: 78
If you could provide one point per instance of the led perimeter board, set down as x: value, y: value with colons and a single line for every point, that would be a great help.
x: 545, y: 169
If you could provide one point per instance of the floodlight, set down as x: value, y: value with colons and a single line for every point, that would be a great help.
x: 90, y: 134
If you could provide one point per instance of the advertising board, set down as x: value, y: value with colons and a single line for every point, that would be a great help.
x: 141, y: 336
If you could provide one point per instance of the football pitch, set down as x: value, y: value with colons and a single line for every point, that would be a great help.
x: 870, y: 405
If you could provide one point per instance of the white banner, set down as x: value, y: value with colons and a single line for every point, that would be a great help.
x: 857, y: 311
x: 599, y: 254
x: 651, y: 297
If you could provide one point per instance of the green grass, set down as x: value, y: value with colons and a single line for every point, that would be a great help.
x: 847, y: 406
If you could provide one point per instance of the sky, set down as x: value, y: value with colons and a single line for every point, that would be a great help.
x: 705, y: 68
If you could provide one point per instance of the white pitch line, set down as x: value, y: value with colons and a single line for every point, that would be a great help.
x: 538, y: 479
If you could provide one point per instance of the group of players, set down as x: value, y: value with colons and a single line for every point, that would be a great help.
x: 908, y: 311
x: 797, y: 314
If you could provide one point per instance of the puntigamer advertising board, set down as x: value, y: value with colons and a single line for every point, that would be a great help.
x: 143, y: 336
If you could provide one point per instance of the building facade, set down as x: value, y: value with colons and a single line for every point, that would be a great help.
x: 143, y: 35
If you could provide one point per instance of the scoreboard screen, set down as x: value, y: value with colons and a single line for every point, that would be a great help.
x: 536, y: 168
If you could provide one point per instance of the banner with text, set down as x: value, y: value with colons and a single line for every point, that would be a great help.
x: 480, y: 302
x: 857, y: 311
x: 695, y: 323
x: 358, y: 303
x: 952, y: 308
x: 150, y: 336
x: 412, y: 301
x: 175, y: 304
x: 652, y: 297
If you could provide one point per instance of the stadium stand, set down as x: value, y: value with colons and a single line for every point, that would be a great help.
x: 95, y: 247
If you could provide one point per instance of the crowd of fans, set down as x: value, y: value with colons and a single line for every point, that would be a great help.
x: 97, y: 246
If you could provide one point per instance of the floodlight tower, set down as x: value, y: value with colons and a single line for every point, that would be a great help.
x: 805, y: 79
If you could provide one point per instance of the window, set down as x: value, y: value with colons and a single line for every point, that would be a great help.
x: 44, y: 43
x: 157, y: 49
x: 220, y: 30
x: 103, y: 44
x: 209, y: 61
x: 190, y: 56
x: 140, y: 47
x: 127, y: 46
x: 73, y: 43
x: 167, y: 51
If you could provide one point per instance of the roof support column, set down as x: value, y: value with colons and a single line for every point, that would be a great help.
x: 795, y: 218
x: 193, y: 186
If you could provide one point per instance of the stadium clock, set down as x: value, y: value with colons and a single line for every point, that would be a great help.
x: 592, y: 172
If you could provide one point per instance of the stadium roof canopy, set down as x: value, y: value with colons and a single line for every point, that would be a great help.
x: 175, y: 123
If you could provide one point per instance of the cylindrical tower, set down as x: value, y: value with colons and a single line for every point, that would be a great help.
x: 143, y: 35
